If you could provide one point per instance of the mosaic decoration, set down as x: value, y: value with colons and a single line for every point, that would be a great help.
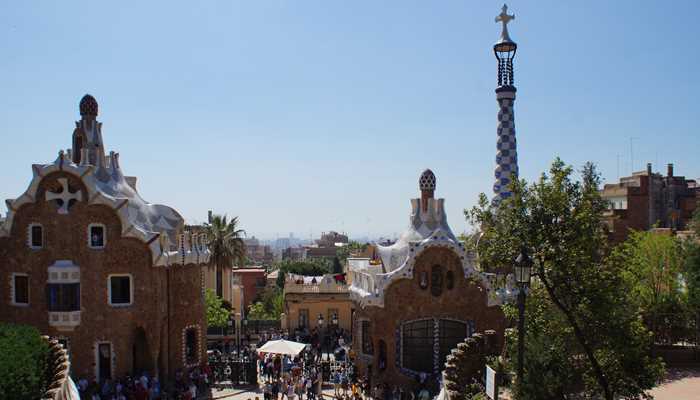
x: 155, y: 224
x: 428, y: 229
x: 436, y: 345
x: 64, y: 197
x: 506, y: 149
x: 427, y: 180
x: 196, y: 328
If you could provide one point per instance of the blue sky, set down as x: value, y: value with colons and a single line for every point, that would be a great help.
x: 307, y: 116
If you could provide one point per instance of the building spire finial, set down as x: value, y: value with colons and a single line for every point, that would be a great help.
x: 504, y: 18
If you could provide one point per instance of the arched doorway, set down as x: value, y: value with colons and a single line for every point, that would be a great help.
x: 142, y: 361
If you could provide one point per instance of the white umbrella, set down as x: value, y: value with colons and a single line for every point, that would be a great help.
x: 282, y: 347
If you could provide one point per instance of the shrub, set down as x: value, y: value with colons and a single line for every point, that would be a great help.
x: 24, y: 359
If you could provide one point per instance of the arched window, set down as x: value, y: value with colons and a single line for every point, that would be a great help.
x: 367, y: 347
x: 417, y: 343
x: 36, y: 236
x: 450, y: 280
x: 423, y: 340
x: 97, y: 236
x: 451, y: 333
x: 190, y: 343
x: 436, y: 280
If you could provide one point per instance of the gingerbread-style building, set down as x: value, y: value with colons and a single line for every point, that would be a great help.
x: 421, y: 300
x: 85, y: 259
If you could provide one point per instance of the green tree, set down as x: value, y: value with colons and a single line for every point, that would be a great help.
x: 550, y: 371
x: 350, y: 249
x: 691, y: 263
x: 24, y: 359
x: 310, y: 267
x: 595, y: 324
x: 694, y: 224
x: 225, y: 244
x: 217, y: 313
x: 269, y: 305
x: 653, y: 265
x: 337, y: 268
x: 281, y: 276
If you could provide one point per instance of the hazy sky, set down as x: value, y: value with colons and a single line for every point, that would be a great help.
x: 305, y: 116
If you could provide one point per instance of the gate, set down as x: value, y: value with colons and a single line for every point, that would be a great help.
x: 233, y: 371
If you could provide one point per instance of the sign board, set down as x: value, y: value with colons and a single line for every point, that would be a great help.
x: 491, y: 384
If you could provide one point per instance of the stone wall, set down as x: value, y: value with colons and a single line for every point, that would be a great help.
x: 59, y: 387
x: 466, y: 363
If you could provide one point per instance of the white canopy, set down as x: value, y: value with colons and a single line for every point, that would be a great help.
x: 282, y: 347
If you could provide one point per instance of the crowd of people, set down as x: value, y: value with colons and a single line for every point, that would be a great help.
x: 280, y: 377
x: 186, y: 386
x: 127, y: 388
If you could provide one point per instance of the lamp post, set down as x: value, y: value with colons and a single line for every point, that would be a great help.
x: 238, y: 333
x: 320, y: 333
x: 522, y: 269
x: 226, y: 346
x: 334, y: 322
x: 245, y: 327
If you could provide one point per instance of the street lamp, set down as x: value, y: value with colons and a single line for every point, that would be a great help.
x: 245, y: 329
x: 522, y: 269
x: 238, y: 333
x: 320, y: 333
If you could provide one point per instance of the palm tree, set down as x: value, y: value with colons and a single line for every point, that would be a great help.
x: 225, y: 244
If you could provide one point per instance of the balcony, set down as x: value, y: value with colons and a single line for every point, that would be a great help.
x: 64, y: 319
x: 315, y: 288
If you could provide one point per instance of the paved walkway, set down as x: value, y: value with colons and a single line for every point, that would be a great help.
x: 252, y: 392
x: 680, y: 384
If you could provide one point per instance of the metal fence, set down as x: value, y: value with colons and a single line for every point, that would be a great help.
x: 675, y: 329
x: 233, y: 371
x: 254, y: 326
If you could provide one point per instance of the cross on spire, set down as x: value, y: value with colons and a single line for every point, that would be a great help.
x: 65, y: 195
x: 504, y: 18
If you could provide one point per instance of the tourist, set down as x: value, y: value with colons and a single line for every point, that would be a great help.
x: 141, y: 392
x: 308, y: 383
x: 267, y: 391
x: 290, y: 391
x: 344, y: 382
x: 275, y: 389
x: 424, y: 394
x: 155, y: 389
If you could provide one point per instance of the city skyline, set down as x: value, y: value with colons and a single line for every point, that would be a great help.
x: 318, y: 117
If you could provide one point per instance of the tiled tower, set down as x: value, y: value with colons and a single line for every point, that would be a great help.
x: 506, y: 154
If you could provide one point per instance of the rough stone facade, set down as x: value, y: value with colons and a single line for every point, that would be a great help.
x: 132, y: 330
x: 406, y: 300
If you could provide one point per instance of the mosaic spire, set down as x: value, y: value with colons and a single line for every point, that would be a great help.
x: 506, y: 150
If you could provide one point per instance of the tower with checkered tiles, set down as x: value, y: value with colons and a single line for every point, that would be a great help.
x: 506, y: 149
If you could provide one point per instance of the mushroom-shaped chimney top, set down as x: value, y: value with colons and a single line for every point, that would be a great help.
x: 88, y: 106
x: 427, y: 181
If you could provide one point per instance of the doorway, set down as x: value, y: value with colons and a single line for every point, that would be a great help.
x: 141, y: 354
x: 104, y: 361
